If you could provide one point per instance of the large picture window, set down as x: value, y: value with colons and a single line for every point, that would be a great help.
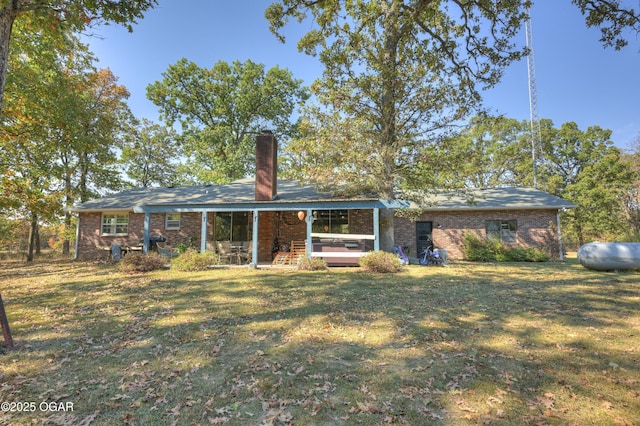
x: 232, y: 226
x: 115, y: 224
x: 331, y: 221
x: 172, y: 221
x: 503, y: 230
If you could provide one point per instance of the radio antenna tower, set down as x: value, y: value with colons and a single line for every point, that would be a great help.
x: 533, y: 100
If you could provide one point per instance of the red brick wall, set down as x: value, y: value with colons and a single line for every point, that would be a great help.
x: 535, y: 228
x: 265, y: 235
x: 90, y: 238
x: 266, y: 168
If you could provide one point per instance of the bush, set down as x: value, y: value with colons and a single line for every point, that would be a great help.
x: 480, y: 250
x: 313, y: 264
x: 528, y: 254
x: 135, y: 262
x: 381, y: 261
x: 193, y: 261
x: 492, y: 250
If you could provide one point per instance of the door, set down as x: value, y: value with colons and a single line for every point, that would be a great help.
x: 423, y: 235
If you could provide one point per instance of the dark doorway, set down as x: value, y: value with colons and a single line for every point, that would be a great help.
x: 423, y: 235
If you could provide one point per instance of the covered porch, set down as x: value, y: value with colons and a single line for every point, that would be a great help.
x: 334, y: 231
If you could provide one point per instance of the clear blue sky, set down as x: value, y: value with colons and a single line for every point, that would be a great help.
x: 577, y: 79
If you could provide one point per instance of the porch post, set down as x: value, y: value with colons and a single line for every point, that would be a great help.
x: 147, y: 228
x: 376, y: 228
x: 203, y: 232
x: 560, y: 237
x: 75, y: 256
x: 254, y: 244
x: 309, y: 219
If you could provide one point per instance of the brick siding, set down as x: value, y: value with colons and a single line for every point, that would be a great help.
x: 535, y: 228
x: 91, y: 241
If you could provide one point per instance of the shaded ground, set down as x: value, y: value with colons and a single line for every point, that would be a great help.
x: 471, y: 343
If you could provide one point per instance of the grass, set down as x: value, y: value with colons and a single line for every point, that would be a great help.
x: 532, y: 344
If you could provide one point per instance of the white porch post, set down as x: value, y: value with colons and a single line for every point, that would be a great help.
x: 376, y: 228
x: 254, y: 244
x: 560, y: 237
x: 203, y: 232
x: 75, y: 255
x: 147, y: 228
x: 309, y: 219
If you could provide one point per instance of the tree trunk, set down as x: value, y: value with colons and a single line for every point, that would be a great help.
x: 8, y: 15
x: 36, y: 240
x: 6, y: 331
x: 66, y: 244
x: 388, y: 136
x: 32, y: 236
x: 387, y: 239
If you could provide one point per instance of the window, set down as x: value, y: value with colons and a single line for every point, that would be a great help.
x: 331, y: 221
x: 172, y: 221
x: 115, y: 224
x: 504, y: 230
x: 232, y: 226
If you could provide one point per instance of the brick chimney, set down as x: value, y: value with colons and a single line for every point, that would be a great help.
x: 266, y: 166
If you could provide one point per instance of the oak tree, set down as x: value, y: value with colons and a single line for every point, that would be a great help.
x: 150, y: 155
x: 221, y: 109
x: 74, y: 15
x: 397, y: 75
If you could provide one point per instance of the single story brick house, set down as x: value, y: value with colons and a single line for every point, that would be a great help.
x: 270, y: 212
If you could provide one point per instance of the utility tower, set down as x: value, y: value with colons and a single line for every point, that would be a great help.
x: 533, y: 100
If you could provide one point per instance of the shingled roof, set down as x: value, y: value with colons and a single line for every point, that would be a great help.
x: 238, y: 192
x: 500, y: 198
x: 290, y: 192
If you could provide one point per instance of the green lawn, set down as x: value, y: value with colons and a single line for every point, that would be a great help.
x: 531, y: 344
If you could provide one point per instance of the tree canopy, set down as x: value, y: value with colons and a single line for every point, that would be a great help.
x: 73, y: 15
x: 397, y: 74
x: 220, y: 111
x: 151, y: 155
x: 58, y: 137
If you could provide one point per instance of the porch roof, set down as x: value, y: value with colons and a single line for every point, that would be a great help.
x: 238, y: 195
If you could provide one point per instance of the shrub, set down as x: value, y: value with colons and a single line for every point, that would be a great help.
x: 193, y: 261
x: 492, y: 250
x: 135, y: 262
x: 480, y: 250
x: 381, y: 261
x: 313, y: 264
x: 526, y: 254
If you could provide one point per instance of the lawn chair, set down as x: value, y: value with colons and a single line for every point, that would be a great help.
x: 165, y: 250
x: 224, y: 251
x: 246, y: 251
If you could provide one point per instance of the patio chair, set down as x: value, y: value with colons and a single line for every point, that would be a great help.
x: 165, y: 250
x: 246, y: 251
x: 224, y: 251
